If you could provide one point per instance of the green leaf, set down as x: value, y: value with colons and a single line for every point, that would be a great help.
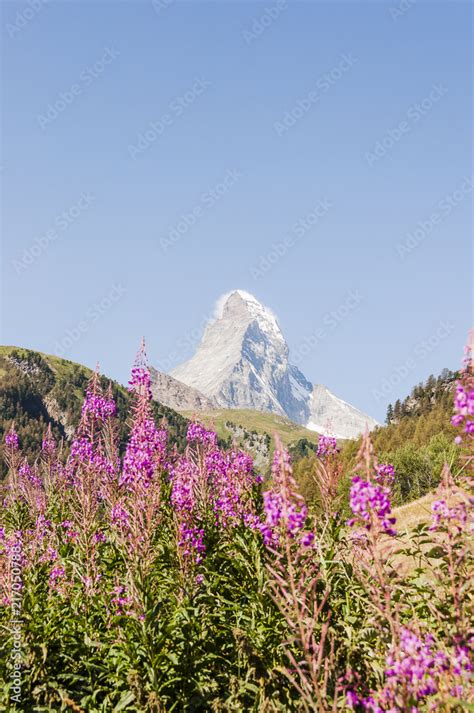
x: 127, y: 698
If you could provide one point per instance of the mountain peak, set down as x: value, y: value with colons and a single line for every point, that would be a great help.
x: 243, y: 362
x: 227, y: 303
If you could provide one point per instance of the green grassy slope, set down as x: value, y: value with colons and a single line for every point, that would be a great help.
x: 261, y: 423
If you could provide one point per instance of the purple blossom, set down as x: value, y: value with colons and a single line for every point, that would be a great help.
x: 198, y: 434
x: 417, y: 668
x: 464, y: 400
x: 352, y: 699
x: 120, y: 600
x: 385, y: 474
x: 371, y: 505
x: 56, y: 576
x: 307, y: 539
x: 231, y: 479
x: 97, y: 406
x: 191, y: 541
x: 140, y: 378
x: 443, y: 515
x: 43, y: 526
x: 69, y: 532
x: 462, y: 663
x: 119, y: 516
x: 464, y: 404
x: 145, y: 449
x: 11, y: 439
x: 327, y: 446
x: 182, y: 490
x: 184, y: 483
x: 25, y: 473
x: 285, y: 509
x: 48, y: 446
x: 82, y: 450
x: 51, y: 555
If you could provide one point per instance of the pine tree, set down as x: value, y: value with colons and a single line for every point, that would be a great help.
x: 397, y: 410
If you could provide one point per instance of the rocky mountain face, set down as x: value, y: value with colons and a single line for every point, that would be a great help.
x: 176, y: 395
x: 243, y: 362
x: 330, y: 414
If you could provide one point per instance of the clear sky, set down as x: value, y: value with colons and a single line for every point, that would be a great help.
x: 316, y: 154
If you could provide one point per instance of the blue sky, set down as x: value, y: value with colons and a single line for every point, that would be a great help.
x: 315, y: 154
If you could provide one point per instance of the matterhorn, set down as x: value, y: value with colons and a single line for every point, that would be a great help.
x: 243, y: 361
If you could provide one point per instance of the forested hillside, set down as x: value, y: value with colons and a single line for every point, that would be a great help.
x: 37, y: 390
x: 417, y: 439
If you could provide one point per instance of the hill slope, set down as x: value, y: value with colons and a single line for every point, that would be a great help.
x: 39, y: 389
x: 418, y: 438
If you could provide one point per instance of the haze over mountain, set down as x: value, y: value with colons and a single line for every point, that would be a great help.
x: 243, y: 362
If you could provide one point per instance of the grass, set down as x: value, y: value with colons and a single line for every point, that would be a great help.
x: 262, y: 423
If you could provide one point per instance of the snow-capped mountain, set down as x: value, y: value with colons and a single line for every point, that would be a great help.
x: 243, y: 362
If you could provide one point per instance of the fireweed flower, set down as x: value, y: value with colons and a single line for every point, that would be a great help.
x: 384, y: 474
x: 285, y: 509
x: 50, y: 555
x: 140, y: 375
x: 352, y: 699
x: 327, y: 446
x: 198, y: 434
x: 98, y: 406
x: 413, y: 663
x: 69, y: 533
x: 231, y: 481
x: 120, y: 600
x: 191, y: 541
x: 25, y: 473
x: 464, y: 407
x: 146, y: 448
x: 120, y: 517
x: 11, y: 439
x: 57, y: 574
x: 43, y: 526
x: 445, y: 516
x: 184, y: 487
x: 415, y: 669
x: 48, y: 446
x: 82, y: 450
x: 462, y: 663
x: 87, y: 458
x: 371, y: 506
x: 464, y: 400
